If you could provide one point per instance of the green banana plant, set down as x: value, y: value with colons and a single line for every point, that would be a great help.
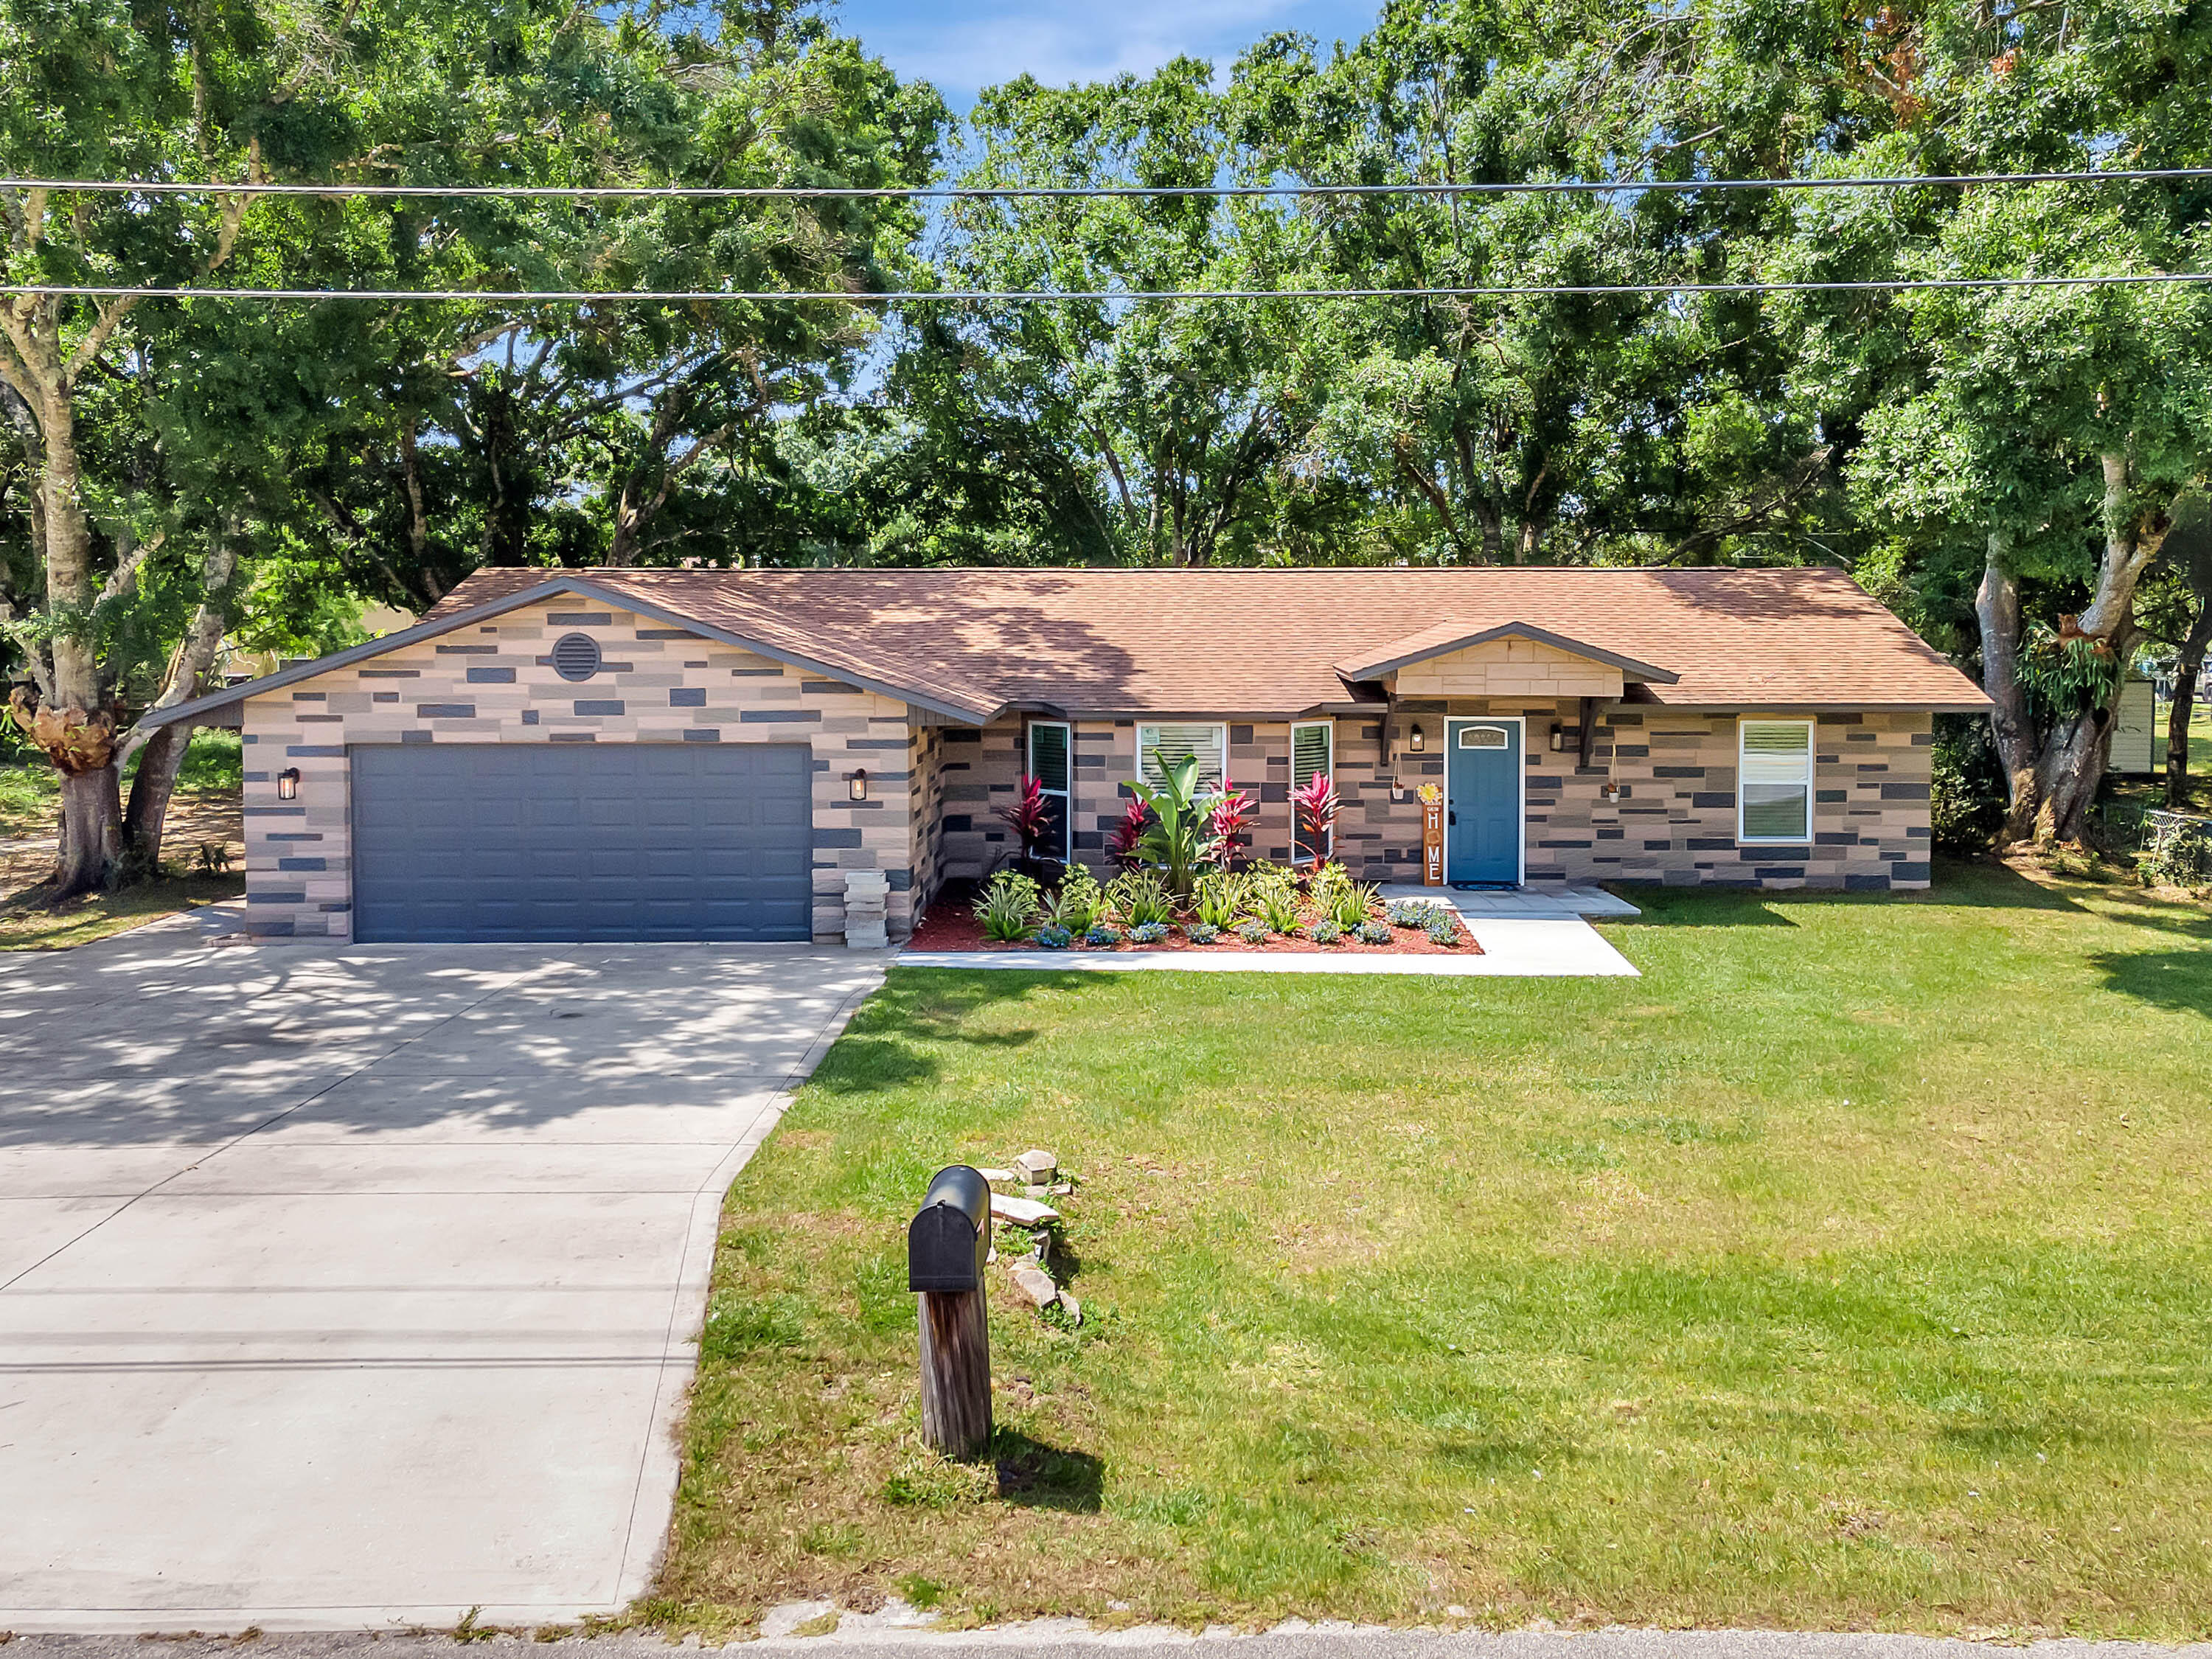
x: 1175, y: 839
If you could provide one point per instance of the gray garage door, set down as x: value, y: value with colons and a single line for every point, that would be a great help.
x: 562, y: 842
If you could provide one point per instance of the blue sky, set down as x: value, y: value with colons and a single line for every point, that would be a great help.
x: 964, y: 45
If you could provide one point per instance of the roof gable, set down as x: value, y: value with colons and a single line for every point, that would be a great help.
x: 1447, y: 637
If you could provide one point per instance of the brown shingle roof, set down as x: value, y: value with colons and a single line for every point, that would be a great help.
x: 1266, y: 643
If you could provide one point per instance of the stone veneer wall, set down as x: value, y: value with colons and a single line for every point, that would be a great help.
x: 1674, y: 823
x: 492, y: 683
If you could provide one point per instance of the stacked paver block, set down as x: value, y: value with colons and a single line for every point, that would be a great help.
x: 865, y: 892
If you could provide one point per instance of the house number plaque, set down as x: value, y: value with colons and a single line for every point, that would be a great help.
x: 1432, y: 836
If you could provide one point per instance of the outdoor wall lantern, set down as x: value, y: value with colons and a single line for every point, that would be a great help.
x: 856, y: 785
x: 288, y: 784
x: 1414, y: 740
x: 1558, y: 739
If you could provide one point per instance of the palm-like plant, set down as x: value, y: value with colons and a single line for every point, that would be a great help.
x: 1174, y: 836
x: 1027, y: 815
x: 1129, y: 834
x: 1227, y: 826
x: 1317, y: 806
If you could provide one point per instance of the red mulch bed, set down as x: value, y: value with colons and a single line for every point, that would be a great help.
x: 950, y: 926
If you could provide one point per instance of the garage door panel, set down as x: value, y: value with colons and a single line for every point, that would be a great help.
x: 544, y: 843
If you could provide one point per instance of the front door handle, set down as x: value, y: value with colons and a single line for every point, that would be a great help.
x: 1451, y: 818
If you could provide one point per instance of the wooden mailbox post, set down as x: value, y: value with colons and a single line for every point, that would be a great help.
x: 946, y: 1245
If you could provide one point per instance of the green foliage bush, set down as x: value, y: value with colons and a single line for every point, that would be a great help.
x: 1966, y: 796
x: 1008, y: 907
x: 1140, y: 897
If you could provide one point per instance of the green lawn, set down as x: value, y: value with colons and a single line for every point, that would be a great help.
x: 1848, y: 1269
x: 96, y: 915
x: 30, y: 789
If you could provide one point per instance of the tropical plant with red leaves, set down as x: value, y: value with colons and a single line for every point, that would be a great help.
x: 1317, y: 806
x: 1129, y: 834
x: 1229, y: 826
x: 1027, y: 815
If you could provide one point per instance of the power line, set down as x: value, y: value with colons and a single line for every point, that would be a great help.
x: 1023, y: 296
x: 1017, y: 192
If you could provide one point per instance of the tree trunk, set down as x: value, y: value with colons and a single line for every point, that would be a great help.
x: 1996, y: 607
x: 146, y: 822
x: 91, y: 830
x: 2185, y: 673
x: 2072, y: 765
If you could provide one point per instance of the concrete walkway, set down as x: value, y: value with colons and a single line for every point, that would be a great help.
x: 356, y: 1289
x: 1523, y: 935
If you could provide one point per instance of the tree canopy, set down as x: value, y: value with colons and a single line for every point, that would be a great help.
x: 2001, y: 463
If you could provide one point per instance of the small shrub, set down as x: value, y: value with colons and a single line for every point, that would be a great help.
x: 1104, y: 933
x: 1053, y: 937
x: 1273, y: 898
x: 1442, y: 930
x: 1079, y: 903
x: 1374, y: 933
x: 1327, y: 882
x: 1219, y: 900
x: 1148, y: 932
x: 1349, y: 905
x: 1412, y: 913
x: 1008, y: 908
x: 1254, y: 933
x: 1140, y: 898
x: 1201, y: 932
x: 1325, y: 932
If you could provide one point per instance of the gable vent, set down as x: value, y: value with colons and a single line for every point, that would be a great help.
x: 575, y: 656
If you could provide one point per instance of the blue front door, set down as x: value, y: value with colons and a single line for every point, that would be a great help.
x: 1482, y: 825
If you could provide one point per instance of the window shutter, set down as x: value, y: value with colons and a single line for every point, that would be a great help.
x: 1048, y: 757
x: 1775, y: 780
x: 1309, y: 747
x: 1172, y: 742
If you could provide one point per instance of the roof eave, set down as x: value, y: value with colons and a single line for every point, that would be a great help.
x: 195, y: 709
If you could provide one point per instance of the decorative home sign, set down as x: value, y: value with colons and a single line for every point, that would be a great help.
x: 1432, y: 836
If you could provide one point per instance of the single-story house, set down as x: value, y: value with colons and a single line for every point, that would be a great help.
x: 623, y: 754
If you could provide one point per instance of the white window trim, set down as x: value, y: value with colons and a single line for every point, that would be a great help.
x: 1299, y: 855
x: 1452, y: 723
x: 1144, y: 748
x: 1812, y: 767
x: 1067, y: 731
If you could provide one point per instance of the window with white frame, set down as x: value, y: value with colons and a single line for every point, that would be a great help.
x: 1313, y: 751
x: 1774, y: 780
x: 1172, y: 742
x: 1049, y: 764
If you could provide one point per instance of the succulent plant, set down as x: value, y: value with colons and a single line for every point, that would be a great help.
x: 1148, y: 932
x: 1103, y: 933
x: 1253, y: 932
x: 1324, y: 932
x: 1201, y: 932
x: 1374, y: 933
x: 1442, y: 930
x: 1053, y: 938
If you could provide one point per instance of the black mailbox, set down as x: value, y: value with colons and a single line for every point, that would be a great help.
x: 947, y: 1243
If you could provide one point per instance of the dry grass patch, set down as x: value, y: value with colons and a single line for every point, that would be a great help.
x: 1847, y: 1270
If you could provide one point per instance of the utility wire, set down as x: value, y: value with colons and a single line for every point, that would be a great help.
x: 981, y: 192
x: 1019, y: 296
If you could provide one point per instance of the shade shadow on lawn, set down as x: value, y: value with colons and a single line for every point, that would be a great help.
x: 1845, y: 1270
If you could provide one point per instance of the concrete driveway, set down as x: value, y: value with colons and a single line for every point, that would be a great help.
x: 341, y: 1289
